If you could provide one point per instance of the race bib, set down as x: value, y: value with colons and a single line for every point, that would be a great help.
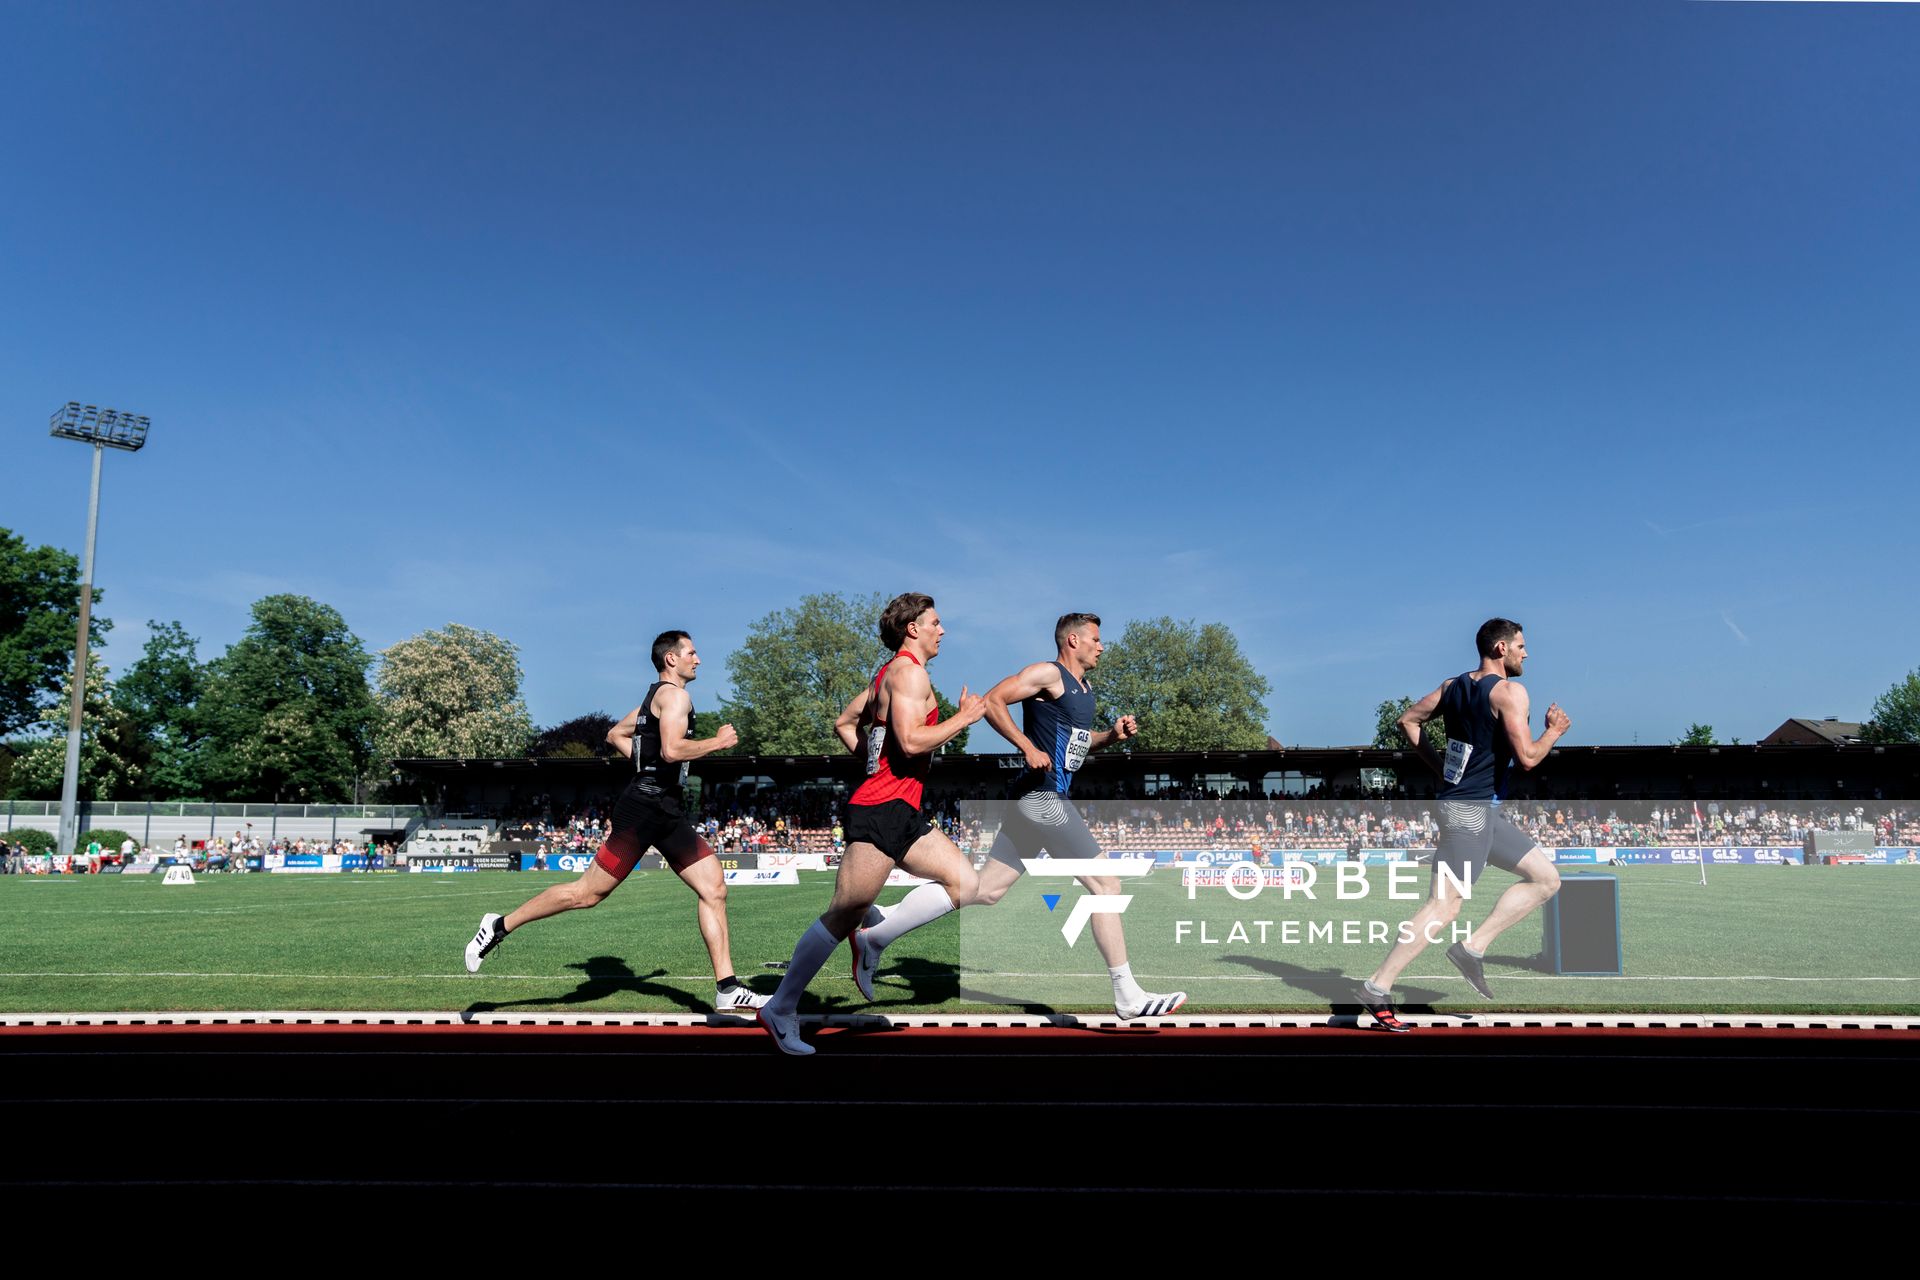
x: 1458, y: 753
x: 1079, y: 742
x: 876, y: 743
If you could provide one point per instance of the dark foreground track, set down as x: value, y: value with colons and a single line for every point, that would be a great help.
x: 1696, y: 1127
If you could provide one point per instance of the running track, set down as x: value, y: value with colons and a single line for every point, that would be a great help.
x: 1697, y: 1125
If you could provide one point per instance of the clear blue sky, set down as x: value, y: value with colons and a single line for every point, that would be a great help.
x: 1347, y: 325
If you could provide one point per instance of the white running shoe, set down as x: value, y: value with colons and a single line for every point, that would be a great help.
x: 1151, y: 1006
x: 738, y: 1000
x: 865, y: 960
x: 785, y: 1030
x: 485, y: 940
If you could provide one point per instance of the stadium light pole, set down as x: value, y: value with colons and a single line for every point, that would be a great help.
x: 103, y: 429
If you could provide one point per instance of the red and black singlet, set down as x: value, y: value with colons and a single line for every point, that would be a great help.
x: 892, y: 774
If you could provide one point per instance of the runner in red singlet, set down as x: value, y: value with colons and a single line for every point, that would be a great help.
x: 897, y: 722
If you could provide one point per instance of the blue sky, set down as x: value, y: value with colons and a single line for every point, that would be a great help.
x: 1345, y: 325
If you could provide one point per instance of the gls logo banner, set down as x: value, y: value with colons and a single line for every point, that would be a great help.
x: 1089, y: 905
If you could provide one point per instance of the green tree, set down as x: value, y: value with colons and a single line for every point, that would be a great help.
x: 1896, y: 713
x: 451, y: 693
x: 1697, y: 735
x: 1386, y: 727
x: 798, y: 667
x: 39, y: 617
x: 161, y: 691
x: 1189, y: 685
x: 286, y: 710
x: 580, y: 737
x: 113, y: 751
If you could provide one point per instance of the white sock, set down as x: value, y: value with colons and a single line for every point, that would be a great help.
x: 815, y: 945
x: 1125, y: 989
x: 923, y: 906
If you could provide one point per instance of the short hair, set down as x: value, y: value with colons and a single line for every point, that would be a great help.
x: 1492, y: 632
x: 900, y: 611
x: 1071, y: 622
x: 665, y: 643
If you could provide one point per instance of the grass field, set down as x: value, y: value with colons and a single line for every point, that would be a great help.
x: 1753, y: 939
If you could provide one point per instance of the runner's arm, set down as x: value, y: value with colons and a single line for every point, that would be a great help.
x: 673, y: 706
x: 1041, y: 677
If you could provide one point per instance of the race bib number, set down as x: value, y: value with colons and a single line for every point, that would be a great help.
x: 1458, y: 753
x: 1079, y: 742
x: 876, y: 743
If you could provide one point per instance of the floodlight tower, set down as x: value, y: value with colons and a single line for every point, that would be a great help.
x: 103, y: 429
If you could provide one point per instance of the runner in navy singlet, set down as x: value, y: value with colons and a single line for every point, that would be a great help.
x: 658, y: 736
x: 895, y: 724
x: 1058, y: 707
x: 1486, y: 713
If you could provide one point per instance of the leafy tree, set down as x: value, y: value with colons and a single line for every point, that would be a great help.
x: 454, y: 692
x: 1896, y: 713
x: 579, y: 737
x: 1386, y: 727
x: 39, y: 617
x: 1697, y: 735
x: 161, y: 692
x: 799, y: 666
x: 1189, y: 685
x: 286, y: 709
x: 113, y: 752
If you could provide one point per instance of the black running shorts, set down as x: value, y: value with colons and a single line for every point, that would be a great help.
x: 893, y: 827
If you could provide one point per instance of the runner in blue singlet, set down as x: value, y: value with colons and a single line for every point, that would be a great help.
x: 1486, y: 714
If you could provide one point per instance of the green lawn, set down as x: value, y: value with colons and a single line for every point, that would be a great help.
x: 1784, y: 939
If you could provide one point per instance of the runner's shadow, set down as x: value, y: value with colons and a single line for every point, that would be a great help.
x: 925, y: 982
x: 606, y: 976
x: 1336, y: 989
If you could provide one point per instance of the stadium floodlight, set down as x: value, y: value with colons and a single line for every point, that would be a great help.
x: 103, y: 429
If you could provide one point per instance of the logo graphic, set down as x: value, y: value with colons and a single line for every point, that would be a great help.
x: 1092, y: 904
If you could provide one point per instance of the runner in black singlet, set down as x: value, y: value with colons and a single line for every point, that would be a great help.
x: 658, y: 736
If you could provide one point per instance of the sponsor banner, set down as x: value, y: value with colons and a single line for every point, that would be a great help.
x: 779, y: 861
x: 461, y: 862
x: 143, y: 868
x: 1386, y: 857
x: 897, y: 877
x: 112, y: 869
x: 784, y: 875
x: 1241, y: 876
x: 438, y: 865
x: 1576, y: 857
x: 1693, y: 856
x: 570, y: 861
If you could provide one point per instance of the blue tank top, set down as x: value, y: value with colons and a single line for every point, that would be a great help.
x: 1063, y: 728
x: 1477, y: 754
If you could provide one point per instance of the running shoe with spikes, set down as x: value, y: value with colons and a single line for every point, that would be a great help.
x: 1151, y: 1006
x: 866, y: 958
x: 1473, y: 968
x: 785, y: 1030
x: 1381, y: 1007
x: 492, y: 931
x: 739, y: 1000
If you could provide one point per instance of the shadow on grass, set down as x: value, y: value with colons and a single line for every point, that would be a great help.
x: 605, y: 976
x: 1337, y: 990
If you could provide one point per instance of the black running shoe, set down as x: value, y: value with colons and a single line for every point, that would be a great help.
x: 1381, y: 1007
x: 1473, y: 968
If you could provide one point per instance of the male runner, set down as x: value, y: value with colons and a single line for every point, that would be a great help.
x: 899, y: 723
x: 1486, y: 714
x: 1057, y: 705
x: 658, y: 735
